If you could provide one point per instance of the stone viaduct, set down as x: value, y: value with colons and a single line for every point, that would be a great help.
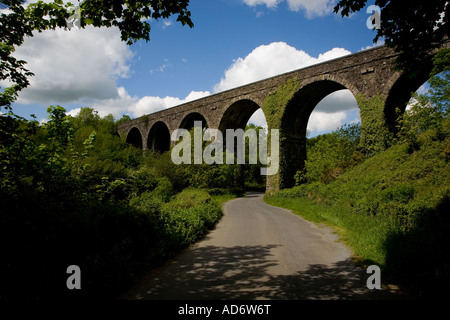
x: 287, y: 101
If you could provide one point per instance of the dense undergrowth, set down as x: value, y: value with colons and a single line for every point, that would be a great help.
x: 74, y: 193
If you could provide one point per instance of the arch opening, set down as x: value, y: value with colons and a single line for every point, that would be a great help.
x: 134, y: 138
x: 317, y: 108
x: 400, y: 93
x: 427, y: 106
x: 189, y: 121
x: 159, y: 138
x: 245, y: 114
x: 238, y: 115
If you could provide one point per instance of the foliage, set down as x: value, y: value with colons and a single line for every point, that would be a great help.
x: 153, y: 199
x: 330, y: 154
x: 253, y: 180
x: 132, y: 17
x: 124, y: 118
x: 276, y: 100
x: 439, y: 93
x: 190, y: 215
x: 190, y: 196
x: 186, y: 217
x: 273, y: 107
x: 413, y: 29
x: 422, y: 116
x: 13, y: 28
x: 428, y: 110
x: 375, y: 134
x: 73, y: 192
x: 231, y: 177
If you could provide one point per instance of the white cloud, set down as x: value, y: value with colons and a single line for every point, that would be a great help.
x: 150, y: 104
x: 277, y: 58
x: 74, y: 66
x: 342, y: 100
x: 374, y: 45
x: 332, y: 54
x: 167, y: 23
x: 258, y: 119
x: 123, y: 103
x: 195, y: 95
x: 423, y: 89
x: 311, y: 8
x: 162, y: 67
x: 263, y: 62
x: 267, y: 3
x: 322, y: 121
x: 335, y: 110
x: 270, y: 60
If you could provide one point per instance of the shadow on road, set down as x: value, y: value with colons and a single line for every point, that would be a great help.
x: 244, y: 273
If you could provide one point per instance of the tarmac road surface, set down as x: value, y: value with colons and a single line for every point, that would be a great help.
x: 258, y: 251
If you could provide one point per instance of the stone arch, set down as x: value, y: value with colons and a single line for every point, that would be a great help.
x: 237, y: 115
x: 400, y: 90
x: 134, y: 137
x: 294, y: 123
x: 188, y: 121
x: 159, y: 137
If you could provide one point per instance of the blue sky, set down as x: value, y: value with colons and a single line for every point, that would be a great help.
x: 233, y: 42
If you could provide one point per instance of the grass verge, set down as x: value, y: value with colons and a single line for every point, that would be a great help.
x: 365, y: 235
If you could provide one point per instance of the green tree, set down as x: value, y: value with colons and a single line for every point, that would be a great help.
x: 431, y: 108
x: 330, y: 154
x: 124, y: 118
x: 414, y: 28
x: 130, y: 16
x: 439, y: 93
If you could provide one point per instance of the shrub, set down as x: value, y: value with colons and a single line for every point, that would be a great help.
x: 330, y: 154
x: 152, y: 200
x: 401, y: 193
x: 191, y: 197
x: 190, y: 215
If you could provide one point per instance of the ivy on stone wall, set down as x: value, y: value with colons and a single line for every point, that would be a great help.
x: 375, y: 134
x: 274, y: 108
x: 275, y: 103
x: 144, y: 120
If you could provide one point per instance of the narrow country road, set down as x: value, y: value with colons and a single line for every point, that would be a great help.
x: 258, y: 251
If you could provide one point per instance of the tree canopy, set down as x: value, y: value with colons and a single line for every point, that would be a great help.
x: 414, y: 28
